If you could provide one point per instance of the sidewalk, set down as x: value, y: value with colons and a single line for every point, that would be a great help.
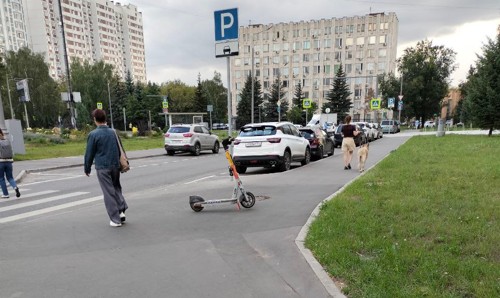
x: 21, y: 168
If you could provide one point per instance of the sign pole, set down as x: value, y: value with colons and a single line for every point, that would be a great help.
x: 229, y: 106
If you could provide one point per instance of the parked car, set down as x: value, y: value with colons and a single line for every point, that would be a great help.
x: 429, y: 124
x: 358, y: 140
x: 378, y: 130
x: 219, y: 126
x: 190, y: 138
x: 389, y: 126
x: 369, y: 132
x: 270, y: 145
x: 319, y: 141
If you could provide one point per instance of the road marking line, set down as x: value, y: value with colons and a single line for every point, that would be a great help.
x: 199, y: 179
x: 50, y: 209
x: 45, y: 181
x: 41, y: 201
x: 34, y: 194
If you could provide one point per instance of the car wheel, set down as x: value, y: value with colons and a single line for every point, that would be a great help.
x: 332, y: 151
x: 241, y: 169
x: 216, y: 147
x: 321, y: 153
x: 307, y: 157
x: 170, y: 152
x: 287, y: 160
x: 197, y: 149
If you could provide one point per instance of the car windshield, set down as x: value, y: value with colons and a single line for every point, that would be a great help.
x: 308, y: 134
x: 386, y: 122
x: 178, y: 129
x: 254, y: 131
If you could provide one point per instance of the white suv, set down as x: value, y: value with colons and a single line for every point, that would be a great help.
x: 270, y: 145
x: 190, y: 138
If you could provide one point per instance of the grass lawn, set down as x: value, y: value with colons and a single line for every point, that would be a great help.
x: 423, y: 223
x: 36, y: 150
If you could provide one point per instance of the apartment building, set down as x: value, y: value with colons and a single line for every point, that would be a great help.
x: 310, y: 53
x: 13, y: 33
x: 95, y: 30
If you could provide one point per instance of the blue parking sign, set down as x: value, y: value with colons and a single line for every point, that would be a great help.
x: 226, y: 24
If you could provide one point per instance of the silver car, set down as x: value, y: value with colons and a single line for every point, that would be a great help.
x: 190, y: 138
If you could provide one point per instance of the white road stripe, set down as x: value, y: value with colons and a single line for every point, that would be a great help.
x: 45, y: 181
x: 41, y: 201
x: 34, y: 194
x: 199, y: 179
x: 50, y: 209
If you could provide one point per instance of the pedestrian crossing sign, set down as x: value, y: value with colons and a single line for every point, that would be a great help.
x: 375, y: 104
x: 306, y: 103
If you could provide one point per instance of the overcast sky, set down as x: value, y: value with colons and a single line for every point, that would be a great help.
x: 180, y: 35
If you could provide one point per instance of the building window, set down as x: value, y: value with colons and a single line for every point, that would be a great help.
x: 327, y: 81
x: 316, y: 44
x: 372, y: 39
x: 348, y: 68
x: 316, y: 57
x: 305, y: 57
x: 316, y: 69
x: 265, y: 48
x: 307, y: 45
x: 295, y: 71
x: 369, y: 53
x: 285, y: 46
x: 237, y: 74
x: 348, y: 55
x: 237, y: 62
x: 382, y: 53
x: 326, y: 56
x: 296, y: 45
x: 326, y: 69
x: 338, y: 42
x: 276, y: 59
x: 296, y: 58
x: 276, y: 47
x: 359, y: 67
x: 305, y: 70
x: 359, y: 54
x: 382, y: 39
x: 349, y: 41
x: 327, y: 43
x: 265, y: 60
x: 360, y: 41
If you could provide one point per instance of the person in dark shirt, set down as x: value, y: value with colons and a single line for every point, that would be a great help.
x: 349, y: 132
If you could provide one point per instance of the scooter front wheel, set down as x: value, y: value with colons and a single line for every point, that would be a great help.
x: 249, y: 201
x: 196, y: 208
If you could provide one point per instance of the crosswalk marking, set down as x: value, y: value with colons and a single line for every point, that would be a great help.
x: 49, y: 209
x: 41, y: 201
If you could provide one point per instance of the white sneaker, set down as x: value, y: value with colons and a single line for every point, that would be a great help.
x: 122, y: 216
x: 114, y: 224
x: 5, y: 196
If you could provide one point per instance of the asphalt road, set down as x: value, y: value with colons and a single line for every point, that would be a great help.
x: 56, y: 242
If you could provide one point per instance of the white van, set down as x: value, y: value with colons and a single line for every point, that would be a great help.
x: 389, y: 126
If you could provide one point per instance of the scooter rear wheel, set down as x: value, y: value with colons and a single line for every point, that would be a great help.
x: 247, y: 203
x: 196, y: 208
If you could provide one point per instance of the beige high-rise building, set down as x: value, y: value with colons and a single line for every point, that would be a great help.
x: 95, y: 30
x: 310, y: 53
x: 13, y: 33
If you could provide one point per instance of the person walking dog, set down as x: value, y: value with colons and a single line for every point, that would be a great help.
x: 103, y: 147
x: 349, y: 132
x: 6, y: 161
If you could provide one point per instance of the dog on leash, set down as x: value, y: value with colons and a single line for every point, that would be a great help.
x: 362, y: 156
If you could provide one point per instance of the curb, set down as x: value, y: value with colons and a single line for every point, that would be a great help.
x: 318, y: 269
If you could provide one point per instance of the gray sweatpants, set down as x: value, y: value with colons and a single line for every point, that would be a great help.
x: 109, y: 179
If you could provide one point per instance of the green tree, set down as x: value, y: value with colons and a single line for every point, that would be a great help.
x: 180, y: 99
x: 389, y: 86
x: 297, y: 113
x: 216, y: 94
x: 200, y: 100
x: 483, y: 88
x: 91, y: 80
x: 45, y: 103
x: 271, y: 106
x: 426, y: 69
x: 338, y: 97
x: 244, y: 105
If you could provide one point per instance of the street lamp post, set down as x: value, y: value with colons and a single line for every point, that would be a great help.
x: 110, y: 109
x: 12, y: 115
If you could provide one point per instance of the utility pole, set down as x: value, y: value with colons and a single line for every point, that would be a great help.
x: 71, y: 102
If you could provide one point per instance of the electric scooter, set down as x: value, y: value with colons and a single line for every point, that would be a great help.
x: 239, y: 197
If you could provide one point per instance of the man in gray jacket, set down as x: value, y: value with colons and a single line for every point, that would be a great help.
x: 102, y: 146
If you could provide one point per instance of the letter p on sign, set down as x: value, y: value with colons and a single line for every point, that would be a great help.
x: 226, y: 24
